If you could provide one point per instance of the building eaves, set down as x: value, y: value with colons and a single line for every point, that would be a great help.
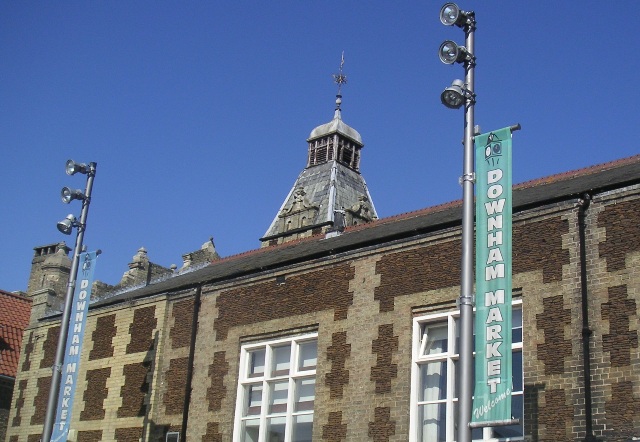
x: 546, y: 190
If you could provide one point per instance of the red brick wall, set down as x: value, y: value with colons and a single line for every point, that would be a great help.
x: 300, y: 294
x: 102, y: 337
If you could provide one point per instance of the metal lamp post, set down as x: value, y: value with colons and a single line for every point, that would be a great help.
x: 65, y: 226
x: 459, y: 94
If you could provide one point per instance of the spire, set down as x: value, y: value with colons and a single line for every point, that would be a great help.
x: 340, y: 78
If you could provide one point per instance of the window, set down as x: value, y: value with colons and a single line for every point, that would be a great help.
x: 434, y: 390
x: 276, y: 390
x: 172, y: 437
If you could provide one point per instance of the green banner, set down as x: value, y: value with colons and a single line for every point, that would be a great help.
x: 493, y: 384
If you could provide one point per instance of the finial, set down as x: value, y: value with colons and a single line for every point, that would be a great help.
x: 340, y: 78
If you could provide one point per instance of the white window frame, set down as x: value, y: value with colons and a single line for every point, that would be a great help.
x: 451, y: 357
x: 294, y: 374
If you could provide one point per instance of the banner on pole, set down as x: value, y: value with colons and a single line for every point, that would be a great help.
x: 75, y: 336
x: 493, y: 383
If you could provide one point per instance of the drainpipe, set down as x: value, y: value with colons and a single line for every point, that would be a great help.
x: 192, y: 350
x: 583, y: 206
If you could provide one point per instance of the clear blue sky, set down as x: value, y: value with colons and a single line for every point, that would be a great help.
x: 197, y: 113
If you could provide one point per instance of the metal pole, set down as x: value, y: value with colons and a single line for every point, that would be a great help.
x: 466, y: 286
x: 54, y: 390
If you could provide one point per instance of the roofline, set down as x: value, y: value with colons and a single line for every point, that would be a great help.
x: 555, y: 188
x: 17, y: 296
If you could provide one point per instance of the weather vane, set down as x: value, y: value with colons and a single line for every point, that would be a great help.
x: 340, y: 78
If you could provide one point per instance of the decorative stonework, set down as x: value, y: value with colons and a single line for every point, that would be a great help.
x: 622, y: 411
x: 620, y: 340
x: 300, y: 213
x: 382, y: 428
x: 28, y: 349
x: 337, y: 353
x: 49, y: 347
x: 217, y: 371
x: 212, y: 434
x: 538, y: 245
x: 102, y: 337
x: 134, y: 390
x: 129, y: 434
x: 299, y: 295
x: 334, y: 430
x: 622, y: 224
x: 90, y: 436
x: 40, y: 400
x: 417, y: 270
x: 555, y: 347
x: 17, y: 419
x: 95, y: 394
x: 360, y: 213
x: 176, y: 380
x: 182, y: 313
x: 141, y: 329
x: 384, y: 347
x: 556, y: 416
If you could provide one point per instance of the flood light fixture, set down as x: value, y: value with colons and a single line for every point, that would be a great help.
x: 455, y: 95
x: 72, y: 168
x: 67, y: 224
x: 67, y: 194
x: 450, y: 53
x: 451, y: 14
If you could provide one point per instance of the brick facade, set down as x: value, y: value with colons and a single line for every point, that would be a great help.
x: 360, y: 300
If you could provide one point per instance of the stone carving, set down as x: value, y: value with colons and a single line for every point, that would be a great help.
x: 361, y: 212
x: 299, y: 213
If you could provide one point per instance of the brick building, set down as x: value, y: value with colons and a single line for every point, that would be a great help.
x: 342, y: 327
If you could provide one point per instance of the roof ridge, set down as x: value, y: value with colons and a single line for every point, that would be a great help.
x: 578, y: 172
x: 16, y: 295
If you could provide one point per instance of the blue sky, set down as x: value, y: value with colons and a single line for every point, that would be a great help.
x: 197, y: 113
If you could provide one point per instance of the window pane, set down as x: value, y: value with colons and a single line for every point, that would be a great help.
x: 433, y: 379
x: 276, y: 429
x: 302, y: 428
x: 516, y: 370
x: 251, y: 430
x: 516, y: 325
x: 278, y: 397
x: 432, y: 423
x: 280, y: 360
x: 256, y: 363
x: 308, y: 355
x: 305, y: 394
x: 434, y: 339
x: 253, y: 400
x: 517, y: 412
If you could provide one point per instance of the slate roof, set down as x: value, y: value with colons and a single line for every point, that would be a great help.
x: 317, y: 183
x: 14, y: 317
x: 555, y: 188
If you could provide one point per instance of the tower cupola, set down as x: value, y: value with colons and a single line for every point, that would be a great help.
x: 330, y: 193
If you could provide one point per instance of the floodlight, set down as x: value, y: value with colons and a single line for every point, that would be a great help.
x: 450, y: 53
x: 451, y: 14
x: 67, y: 224
x: 72, y: 168
x: 455, y: 95
x: 69, y: 194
